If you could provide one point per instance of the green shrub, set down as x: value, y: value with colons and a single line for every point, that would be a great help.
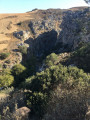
x: 66, y: 105
x: 51, y: 59
x: 19, y: 73
x: 7, y: 90
x: 69, y: 78
x: 4, y: 55
x: 5, y: 72
x: 23, y: 49
x: 6, y: 80
x: 7, y: 61
x: 38, y: 102
x: 82, y: 57
x: 18, y: 69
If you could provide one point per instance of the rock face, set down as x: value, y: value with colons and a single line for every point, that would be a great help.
x: 22, y: 113
x: 44, y: 43
x: 23, y: 35
x: 75, y: 28
x: 56, y: 30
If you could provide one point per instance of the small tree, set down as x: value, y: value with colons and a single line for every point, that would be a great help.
x: 18, y: 69
x: 19, y: 73
x: 23, y: 49
x: 51, y: 59
x: 6, y: 80
x: 4, y: 55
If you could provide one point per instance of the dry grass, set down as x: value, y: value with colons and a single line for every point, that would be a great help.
x: 8, y: 25
x: 3, y: 95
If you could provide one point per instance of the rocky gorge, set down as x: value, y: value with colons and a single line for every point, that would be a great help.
x: 52, y: 30
x: 56, y: 31
x: 45, y: 65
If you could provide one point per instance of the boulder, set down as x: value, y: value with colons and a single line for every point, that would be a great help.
x: 22, y: 112
x: 23, y: 35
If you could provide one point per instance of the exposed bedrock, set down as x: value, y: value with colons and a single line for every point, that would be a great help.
x: 43, y: 44
x: 57, y: 32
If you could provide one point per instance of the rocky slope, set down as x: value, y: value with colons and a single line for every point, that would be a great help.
x: 45, y: 31
x: 57, y: 30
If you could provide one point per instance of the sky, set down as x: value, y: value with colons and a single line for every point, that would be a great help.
x: 21, y: 6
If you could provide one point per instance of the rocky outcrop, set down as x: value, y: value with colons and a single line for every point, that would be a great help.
x: 23, y: 35
x: 43, y: 44
x: 72, y: 28
x: 12, y: 60
x: 22, y: 113
x: 75, y: 28
x: 56, y: 30
x: 44, y: 25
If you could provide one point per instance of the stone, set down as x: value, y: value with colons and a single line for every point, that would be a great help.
x: 23, y: 35
x: 22, y: 112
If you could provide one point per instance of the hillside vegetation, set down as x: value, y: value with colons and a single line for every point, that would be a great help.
x: 45, y: 70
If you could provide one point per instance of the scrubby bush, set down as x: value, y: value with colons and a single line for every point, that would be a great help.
x: 5, y: 72
x: 82, y: 57
x: 4, y: 55
x: 23, y: 49
x: 7, y: 90
x: 6, y: 80
x: 66, y: 105
x: 7, y: 61
x: 69, y: 78
x: 51, y: 59
x: 18, y: 71
x: 37, y: 101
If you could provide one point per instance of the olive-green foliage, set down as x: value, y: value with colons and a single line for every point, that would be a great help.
x: 5, y: 72
x: 6, y: 79
x: 37, y: 102
x: 51, y: 59
x: 70, y: 77
x: 7, y: 61
x: 7, y: 90
x: 82, y: 57
x: 67, y: 105
x: 4, y: 55
x: 46, y: 81
x: 23, y: 49
x: 18, y: 71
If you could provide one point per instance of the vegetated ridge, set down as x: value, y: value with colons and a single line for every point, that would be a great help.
x: 45, y: 65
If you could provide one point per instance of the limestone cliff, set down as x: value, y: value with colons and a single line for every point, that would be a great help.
x: 58, y: 30
x: 46, y: 31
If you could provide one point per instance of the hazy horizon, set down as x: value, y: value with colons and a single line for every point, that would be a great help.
x: 22, y: 6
